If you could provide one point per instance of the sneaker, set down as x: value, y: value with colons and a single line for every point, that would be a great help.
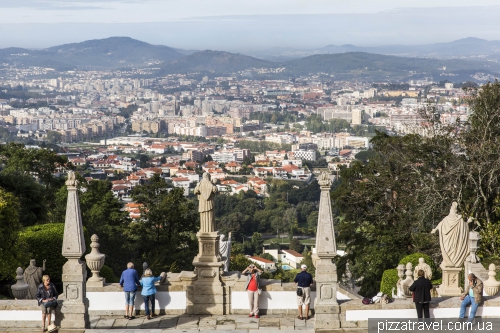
x: 256, y: 316
x: 154, y: 315
x: 250, y: 315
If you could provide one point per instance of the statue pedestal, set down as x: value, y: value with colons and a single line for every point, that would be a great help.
x: 326, y: 307
x: 451, y: 282
x: 208, y: 294
x: 74, y: 311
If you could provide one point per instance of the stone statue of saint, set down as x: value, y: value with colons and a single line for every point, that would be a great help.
x: 33, y: 277
x: 453, y: 236
x: 425, y: 267
x: 225, y: 251
x: 206, y: 192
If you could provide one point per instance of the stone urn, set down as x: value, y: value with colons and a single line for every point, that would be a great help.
x: 491, y: 286
x: 95, y: 261
x: 20, y: 289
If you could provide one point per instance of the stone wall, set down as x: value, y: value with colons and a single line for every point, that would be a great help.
x: 354, y: 314
x: 171, y: 298
x: 175, y: 296
x: 20, y: 314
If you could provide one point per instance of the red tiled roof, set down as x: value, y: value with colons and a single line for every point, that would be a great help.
x: 293, y: 253
x: 262, y: 260
x: 180, y: 179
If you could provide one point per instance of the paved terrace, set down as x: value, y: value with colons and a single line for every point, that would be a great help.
x: 190, y: 324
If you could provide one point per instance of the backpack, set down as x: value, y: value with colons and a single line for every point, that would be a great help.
x: 367, y: 300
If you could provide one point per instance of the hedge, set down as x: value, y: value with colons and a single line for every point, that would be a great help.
x: 390, y: 276
x: 108, y: 274
x: 44, y: 241
x: 389, y: 280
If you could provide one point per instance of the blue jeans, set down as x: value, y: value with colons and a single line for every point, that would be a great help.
x: 146, y: 303
x: 130, y: 298
x: 473, y: 307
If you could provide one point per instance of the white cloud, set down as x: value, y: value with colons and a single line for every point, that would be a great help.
x: 137, y: 11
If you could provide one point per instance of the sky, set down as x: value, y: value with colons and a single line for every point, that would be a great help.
x: 247, y: 25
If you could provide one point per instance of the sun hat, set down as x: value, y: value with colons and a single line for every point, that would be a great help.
x: 52, y: 328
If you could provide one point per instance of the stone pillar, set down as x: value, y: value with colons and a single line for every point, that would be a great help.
x: 209, y: 294
x: 74, y: 311
x: 326, y: 307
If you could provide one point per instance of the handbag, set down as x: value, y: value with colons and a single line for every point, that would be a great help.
x: 50, y: 304
x: 300, y: 292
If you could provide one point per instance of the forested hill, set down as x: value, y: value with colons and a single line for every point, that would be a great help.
x: 361, y: 62
x: 113, y: 52
x: 216, y: 61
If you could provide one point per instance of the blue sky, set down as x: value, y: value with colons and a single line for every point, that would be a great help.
x: 243, y: 25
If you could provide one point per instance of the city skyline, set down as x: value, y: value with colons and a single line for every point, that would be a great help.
x: 249, y: 26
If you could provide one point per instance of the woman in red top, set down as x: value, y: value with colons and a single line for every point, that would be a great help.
x: 252, y: 287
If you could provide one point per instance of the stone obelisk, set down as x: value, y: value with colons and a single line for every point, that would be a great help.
x: 326, y: 307
x: 74, y: 311
x: 209, y: 294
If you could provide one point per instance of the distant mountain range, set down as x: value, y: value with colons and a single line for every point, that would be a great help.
x: 463, y: 48
x: 343, y: 62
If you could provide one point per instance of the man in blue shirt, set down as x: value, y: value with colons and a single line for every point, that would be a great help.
x: 304, y: 281
x: 129, y: 282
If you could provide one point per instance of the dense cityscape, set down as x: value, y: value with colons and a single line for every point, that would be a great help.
x: 188, y: 122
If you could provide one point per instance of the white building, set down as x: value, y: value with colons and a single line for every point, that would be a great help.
x: 266, y: 265
x: 356, y: 116
x: 308, y: 155
x: 182, y: 182
x: 358, y: 142
x: 224, y: 156
x: 292, y: 258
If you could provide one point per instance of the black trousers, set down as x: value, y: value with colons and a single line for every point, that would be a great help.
x: 422, y: 307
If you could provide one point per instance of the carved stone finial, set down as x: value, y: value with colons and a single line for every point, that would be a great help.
x: 409, y: 280
x: 491, y: 286
x: 95, y: 261
x: 71, y: 179
x: 20, y: 289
